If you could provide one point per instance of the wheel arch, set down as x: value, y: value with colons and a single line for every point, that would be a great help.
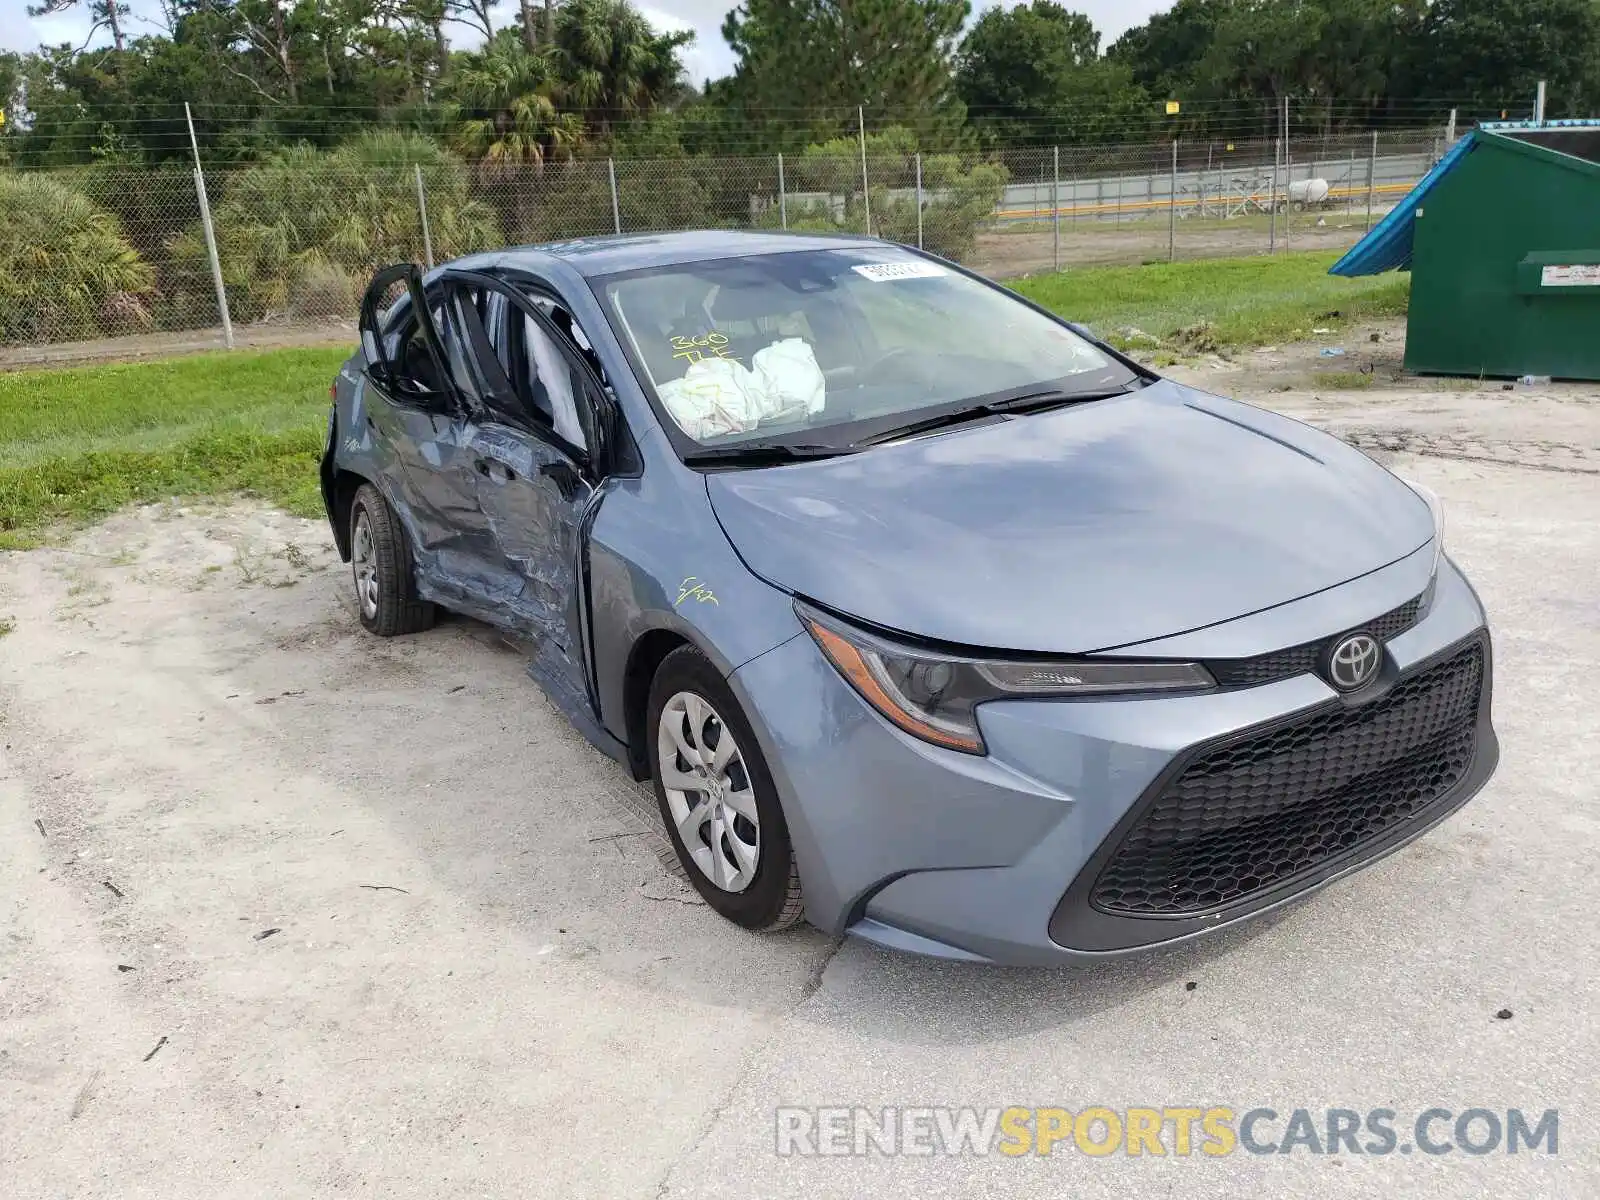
x: 343, y: 485
x: 644, y: 659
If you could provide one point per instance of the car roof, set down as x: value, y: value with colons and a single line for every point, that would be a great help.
x: 641, y: 251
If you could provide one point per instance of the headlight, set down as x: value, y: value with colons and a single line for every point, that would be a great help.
x: 932, y: 696
x: 1436, y: 508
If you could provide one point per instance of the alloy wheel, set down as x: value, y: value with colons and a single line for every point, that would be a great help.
x: 364, y: 565
x: 708, y: 790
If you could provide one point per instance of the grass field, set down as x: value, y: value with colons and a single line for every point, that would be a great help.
x: 1232, y: 302
x: 77, y: 444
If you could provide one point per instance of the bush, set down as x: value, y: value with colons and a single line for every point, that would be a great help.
x: 959, y: 193
x: 292, y: 229
x: 957, y: 199
x: 66, y: 271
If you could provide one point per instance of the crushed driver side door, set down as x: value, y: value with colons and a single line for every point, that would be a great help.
x: 415, y: 403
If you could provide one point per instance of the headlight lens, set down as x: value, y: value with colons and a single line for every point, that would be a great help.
x: 1436, y: 508
x: 933, y: 696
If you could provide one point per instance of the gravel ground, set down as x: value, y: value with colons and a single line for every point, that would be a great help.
x: 289, y: 911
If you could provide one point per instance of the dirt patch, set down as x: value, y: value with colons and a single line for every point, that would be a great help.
x: 1366, y: 397
x: 166, y: 345
x: 348, y: 880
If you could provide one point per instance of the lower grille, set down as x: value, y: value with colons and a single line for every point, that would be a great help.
x: 1256, y: 813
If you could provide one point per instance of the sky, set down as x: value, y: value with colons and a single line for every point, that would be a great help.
x: 708, y: 58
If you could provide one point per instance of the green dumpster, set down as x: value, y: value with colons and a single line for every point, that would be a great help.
x: 1503, y: 243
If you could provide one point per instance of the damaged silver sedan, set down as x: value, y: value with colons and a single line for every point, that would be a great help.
x: 932, y: 619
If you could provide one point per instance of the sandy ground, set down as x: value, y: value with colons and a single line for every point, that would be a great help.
x: 290, y: 911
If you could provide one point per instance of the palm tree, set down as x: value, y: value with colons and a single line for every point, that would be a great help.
x: 612, y: 63
x: 303, y: 229
x: 513, y: 93
x: 66, y: 271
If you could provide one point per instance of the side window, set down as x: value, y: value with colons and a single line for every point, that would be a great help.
x: 529, y: 379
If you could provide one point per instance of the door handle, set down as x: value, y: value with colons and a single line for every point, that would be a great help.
x: 487, y: 469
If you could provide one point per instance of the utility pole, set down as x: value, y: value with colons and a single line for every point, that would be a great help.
x: 1538, y: 105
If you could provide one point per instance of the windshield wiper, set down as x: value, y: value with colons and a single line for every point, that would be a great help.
x: 1048, y: 398
x: 1027, y: 402
x: 762, y: 453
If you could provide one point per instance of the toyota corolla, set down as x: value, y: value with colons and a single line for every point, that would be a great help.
x: 932, y: 619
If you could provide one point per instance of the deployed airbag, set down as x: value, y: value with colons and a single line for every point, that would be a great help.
x: 719, y: 396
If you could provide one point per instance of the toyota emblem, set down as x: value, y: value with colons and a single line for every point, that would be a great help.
x: 1353, y: 662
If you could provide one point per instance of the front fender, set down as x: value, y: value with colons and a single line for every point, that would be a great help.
x: 660, y: 561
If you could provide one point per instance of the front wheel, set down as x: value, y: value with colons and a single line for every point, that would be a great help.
x: 380, y: 565
x: 717, y: 797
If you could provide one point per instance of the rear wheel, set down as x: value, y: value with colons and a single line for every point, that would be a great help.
x: 717, y: 797
x: 380, y: 564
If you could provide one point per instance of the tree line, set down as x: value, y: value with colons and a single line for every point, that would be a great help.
x: 553, y: 80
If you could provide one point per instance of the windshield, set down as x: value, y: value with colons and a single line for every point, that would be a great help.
x: 803, y: 347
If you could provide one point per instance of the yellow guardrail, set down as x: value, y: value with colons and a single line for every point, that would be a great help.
x: 1163, y: 204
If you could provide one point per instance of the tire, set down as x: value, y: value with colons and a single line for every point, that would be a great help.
x: 766, y: 898
x: 387, y: 598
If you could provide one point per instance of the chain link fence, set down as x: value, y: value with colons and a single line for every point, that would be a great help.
x: 106, y: 251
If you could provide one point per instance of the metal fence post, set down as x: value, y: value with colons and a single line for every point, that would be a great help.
x: 1172, y: 208
x: 1288, y: 184
x: 866, y: 190
x: 783, y: 199
x: 1272, y: 200
x: 211, y: 236
x: 1055, y: 206
x: 1372, y: 177
x: 616, y: 212
x: 919, y: 199
x: 422, y: 209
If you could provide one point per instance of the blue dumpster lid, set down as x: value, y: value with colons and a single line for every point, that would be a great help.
x: 1388, y: 246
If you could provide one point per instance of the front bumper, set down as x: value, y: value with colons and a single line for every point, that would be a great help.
x: 996, y: 858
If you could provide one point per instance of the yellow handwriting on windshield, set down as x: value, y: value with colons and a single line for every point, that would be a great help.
x: 696, y: 348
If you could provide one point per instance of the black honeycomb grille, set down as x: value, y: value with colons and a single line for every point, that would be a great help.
x: 1302, y: 660
x: 1256, y: 813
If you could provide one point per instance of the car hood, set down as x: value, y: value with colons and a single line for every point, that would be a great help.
x: 1075, y: 530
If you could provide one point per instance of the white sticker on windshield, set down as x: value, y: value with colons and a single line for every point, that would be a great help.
x: 890, y: 272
